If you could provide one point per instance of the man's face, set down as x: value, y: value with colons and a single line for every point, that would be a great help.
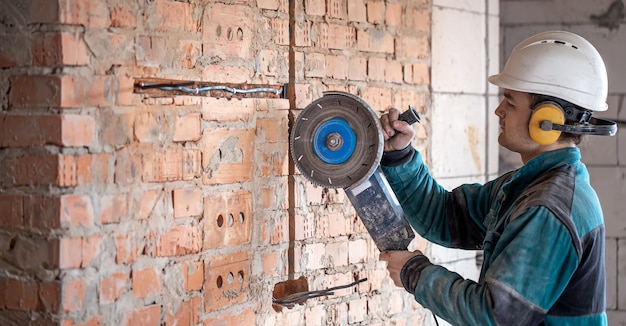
x: 514, y: 112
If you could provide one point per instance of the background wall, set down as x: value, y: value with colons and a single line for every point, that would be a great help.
x: 124, y: 208
x: 603, y: 23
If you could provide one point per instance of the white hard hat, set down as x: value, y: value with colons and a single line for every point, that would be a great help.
x: 560, y: 64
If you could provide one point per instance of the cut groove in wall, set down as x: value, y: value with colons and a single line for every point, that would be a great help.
x: 153, y: 87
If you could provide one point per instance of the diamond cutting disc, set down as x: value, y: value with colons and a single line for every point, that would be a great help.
x: 337, y: 141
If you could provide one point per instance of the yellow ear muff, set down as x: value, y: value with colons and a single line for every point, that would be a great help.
x: 550, y: 112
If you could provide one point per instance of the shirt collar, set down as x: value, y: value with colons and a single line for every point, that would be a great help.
x: 547, y: 161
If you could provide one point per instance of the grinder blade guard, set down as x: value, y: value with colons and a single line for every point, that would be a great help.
x: 337, y: 142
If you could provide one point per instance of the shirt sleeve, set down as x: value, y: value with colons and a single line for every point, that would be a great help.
x: 535, y: 258
x: 448, y: 218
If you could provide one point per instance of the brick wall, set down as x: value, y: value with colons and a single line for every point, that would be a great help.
x: 603, y: 25
x: 120, y: 208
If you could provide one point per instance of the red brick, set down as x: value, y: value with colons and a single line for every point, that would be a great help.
x: 393, y: 15
x: 171, y: 166
x: 90, y: 250
x: 149, y: 200
x: 188, y: 313
x: 223, y: 110
x: 280, y: 231
x: 226, y: 74
x: 14, y: 51
x: 303, y: 33
x: 127, y: 167
x: 242, y: 317
x: 274, y: 265
x: 76, y: 210
x: 267, y: 197
x: 12, y: 208
x: 337, y: 9
x: 187, y: 202
x: 146, y: 282
x: 357, y: 11
x: 191, y: 50
x: 18, y: 294
x: 61, y: 91
x: 125, y: 96
x: 91, y: 321
x: 78, y: 252
x: 193, y: 273
x: 149, y: 127
x: 228, y: 31
x: 129, y: 246
x: 227, y: 219
x: 146, y: 316
x: 393, y: 72
x: 61, y: 130
x: 43, y: 212
x: 315, y: 64
x: 226, y: 281
x: 187, y: 128
x: 376, y: 12
x: 30, y: 170
x: 335, y: 36
x: 227, y: 156
x: 113, y: 286
x: 179, y: 240
x: 378, y: 97
x: 275, y: 161
x: 115, y: 128
x: 373, y: 40
x: 122, y: 16
x: 302, y: 94
x: 337, y: 66
x: 413, y: 47
x: 376, y: 69
x: 418, y: 19
x: 357, y: 69
x: 55, y: 49
x: 70, y: 252
x: 280, y: 27
x: 29, y: 295
x: 73, y: 295
x: 172, y: 16
x: 273, y: 130
x: 417, y: 73
x: 151, y: 51
x: 268, y: 4
x: 315, y: 7
x: 92, y: 13
x: 114, y: 208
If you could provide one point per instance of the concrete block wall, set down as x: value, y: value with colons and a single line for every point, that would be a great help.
x: 602, y: 23
x: 121, y: 208
x: 462, y: 143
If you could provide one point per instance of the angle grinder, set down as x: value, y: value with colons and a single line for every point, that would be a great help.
x: 337, y: 142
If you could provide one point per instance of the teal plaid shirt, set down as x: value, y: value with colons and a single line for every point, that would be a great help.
x: 542, y: 233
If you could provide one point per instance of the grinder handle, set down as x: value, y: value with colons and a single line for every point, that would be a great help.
x: 410, y: 116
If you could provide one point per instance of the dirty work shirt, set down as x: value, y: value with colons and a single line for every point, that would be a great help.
x: 541, y: 230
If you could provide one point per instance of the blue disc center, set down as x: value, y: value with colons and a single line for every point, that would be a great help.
x: 334, y: 141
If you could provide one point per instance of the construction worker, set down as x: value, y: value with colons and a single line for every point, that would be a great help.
x: 540, y: 227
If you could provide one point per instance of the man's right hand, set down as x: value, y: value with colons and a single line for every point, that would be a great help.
x: 397, y: 133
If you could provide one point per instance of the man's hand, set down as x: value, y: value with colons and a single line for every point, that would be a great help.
x: 397, y: 133
x: 395, y: 261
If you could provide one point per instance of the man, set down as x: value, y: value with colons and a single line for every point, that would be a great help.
x: 541, y: 227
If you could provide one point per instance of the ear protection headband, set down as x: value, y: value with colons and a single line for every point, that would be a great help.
x: 548, y: 121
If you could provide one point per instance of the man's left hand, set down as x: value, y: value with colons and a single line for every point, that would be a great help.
x: 395, y: 261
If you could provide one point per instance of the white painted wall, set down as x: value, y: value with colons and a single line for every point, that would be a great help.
x: 463, y: 143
